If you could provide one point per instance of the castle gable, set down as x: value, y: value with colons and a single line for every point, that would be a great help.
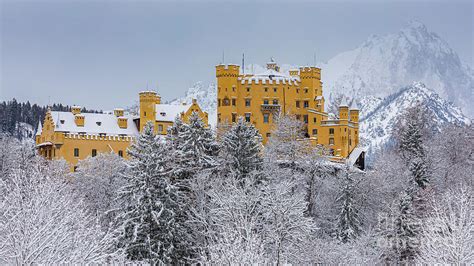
x: 93, y: 124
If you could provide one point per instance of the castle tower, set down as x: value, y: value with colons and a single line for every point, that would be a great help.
x: 344, y: 110
x: 227, y: 84
x: 354, y: 112
x: 148, y: 101
x: 311, y: 85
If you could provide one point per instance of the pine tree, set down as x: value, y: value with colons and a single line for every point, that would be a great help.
x: 348, y: 226
x: 241, y: 146
x: 196, y: 148
x: 148, y: 227
x: 406, y: 229
x: 411, y: 145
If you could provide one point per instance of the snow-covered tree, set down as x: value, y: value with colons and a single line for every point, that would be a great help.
x: 348, y: 224
x: 448, y: 231
x: 147, y: 226
x: 234, y: 229
x: 287, y: 229
x: 42, y: 222
x: 241, y: 149
x: 97, y: 180
x: 412, y: 132
x: 407, y: 229
x: 287, y: 143
x: 196, y: 149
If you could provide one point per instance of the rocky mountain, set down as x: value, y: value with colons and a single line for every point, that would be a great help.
x: 383, y: 64
x: 379, y: 115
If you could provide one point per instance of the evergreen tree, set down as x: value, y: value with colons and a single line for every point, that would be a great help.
x: 196, y: 148
x: 241, y: 148
x: 406, y: 229
x: 412, y: 147
x: 348, y: 226
x: 148, y: 228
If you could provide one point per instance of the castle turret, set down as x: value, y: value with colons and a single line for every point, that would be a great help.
x: 354, y: 112
x: 76, y: 109
x: 343, y: 109
x: 148, y: 101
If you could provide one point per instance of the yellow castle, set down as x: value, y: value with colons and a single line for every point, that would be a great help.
x: 74, y: 135
x: 261, y: 98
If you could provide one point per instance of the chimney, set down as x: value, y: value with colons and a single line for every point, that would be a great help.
x: 79, y: 120
x: 122, y: 122
x: 118, y: 112
x: 76, y: 109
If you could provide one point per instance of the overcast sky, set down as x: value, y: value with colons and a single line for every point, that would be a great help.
x: 100, y: 54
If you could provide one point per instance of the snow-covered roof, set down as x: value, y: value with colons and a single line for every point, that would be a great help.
x: 354, y: 106
x: 356, y: 152
x: 39, y: 129
x: 93, y: 124
x: 271, y: 75
x: 343, y: 102
x: 168, y: 112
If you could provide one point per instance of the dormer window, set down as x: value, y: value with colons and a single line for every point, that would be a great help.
x: 163, y: 114
x: 98, y: 123
x: 61, y: 121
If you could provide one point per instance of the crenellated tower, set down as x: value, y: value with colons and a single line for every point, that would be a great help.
x: 148, y: 100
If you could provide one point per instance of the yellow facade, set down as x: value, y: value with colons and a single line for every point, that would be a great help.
x: 260, y: 98
x: 74, y: 136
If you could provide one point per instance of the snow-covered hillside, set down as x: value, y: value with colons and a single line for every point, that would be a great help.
x: 378, y: 116
x: 206, y: 95
x: 381, y: 65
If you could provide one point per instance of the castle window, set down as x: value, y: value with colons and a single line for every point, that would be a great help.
x: 266, y: 118
x: 297, y: 104
x: 219, y: 118
x: 74, y: 169
x: 226, y: 102
x: 305, y: 118
x: 248, y: 89
x: 247, y: 102
x: 331, y: 131
x: 274, y: 89
x: 218, y: 102
x: 269, y: 135
x: 314, y: 120
x: 297, y: 90
x: 94, y: 152
x: 350, y: 142
x: 275, y: 101
x: 315, y: 132
x: 305, y: 90
x: 266, y: 89
x: 160, y: 128
x: 306, y: 104
x: 331, y: 141
x: 345, y: 129
x: 76, y: 152
x: 234, y: 117
x: 120, y: 153
x: 298, y: 117
x: 265, y: 101
x: 233, y: 89
x: 144, y: 113
x: 234, y: 102
x: 247, y: 117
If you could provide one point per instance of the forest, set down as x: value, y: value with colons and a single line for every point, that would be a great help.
x: 209, y: 196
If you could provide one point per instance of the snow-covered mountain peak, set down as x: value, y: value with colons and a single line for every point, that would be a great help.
x: 382, y: 64
x: 379, y: 116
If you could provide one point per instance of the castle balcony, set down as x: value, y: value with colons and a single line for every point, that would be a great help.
x: 271, y: 108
